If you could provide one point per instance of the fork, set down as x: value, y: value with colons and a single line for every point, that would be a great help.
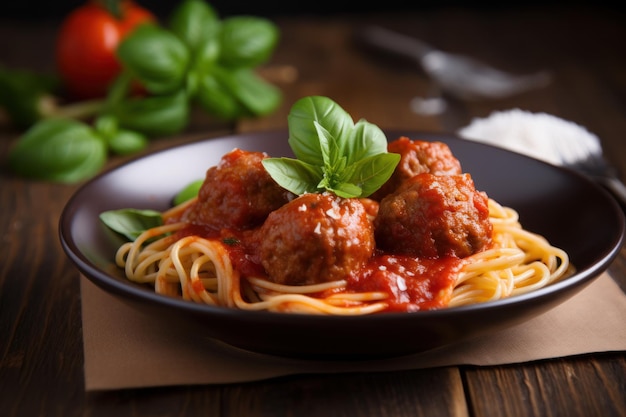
x: 588, y: 158
x: 458, y: 75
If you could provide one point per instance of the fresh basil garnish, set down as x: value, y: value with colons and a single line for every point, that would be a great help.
x: 131, y: 222
x: 332, y: 152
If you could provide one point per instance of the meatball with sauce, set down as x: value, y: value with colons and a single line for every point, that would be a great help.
x: 434, y: 216
x: 416, y: 157
x: 237, y: 193
x: 316, y: 238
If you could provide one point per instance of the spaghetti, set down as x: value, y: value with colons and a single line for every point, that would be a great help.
x: 200, y: 269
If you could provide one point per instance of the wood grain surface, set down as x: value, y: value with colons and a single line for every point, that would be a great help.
x: 41, y: 356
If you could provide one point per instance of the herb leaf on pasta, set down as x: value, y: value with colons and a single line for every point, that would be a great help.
x: 332, y: 152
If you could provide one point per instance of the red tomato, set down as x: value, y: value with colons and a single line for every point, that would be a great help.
x: 86, y: 44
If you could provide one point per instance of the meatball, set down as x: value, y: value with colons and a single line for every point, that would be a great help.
x: 416, y: 157
x: 316, y: 238
x: 237, y: 193
x: 433, y: 216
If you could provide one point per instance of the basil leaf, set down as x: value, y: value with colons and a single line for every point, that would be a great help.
x: 131, y: 222
x: 347, y: 190
x: 303, y: 135
x: 194, y: 22
x: 293, y: 175
x: 120, y: 141
x: 190, y: 191
x: 246, y: 41
x: 106, y: 125
x: 155, y: 115
x: 372, y: 172
x: 366, y: 139
x: 126, y: 142
x: 218, y: 100
x: 156, y: 57
x: 62, y: 150
x: 256, y: 95
x: 329, y: 149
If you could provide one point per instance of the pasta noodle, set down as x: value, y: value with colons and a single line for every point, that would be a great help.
x: 200, y: 270
x: 519, y: 262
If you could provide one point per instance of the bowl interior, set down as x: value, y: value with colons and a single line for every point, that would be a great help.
x: 569, y: 210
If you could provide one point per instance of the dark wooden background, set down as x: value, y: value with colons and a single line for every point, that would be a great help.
x: 42, y: 9
x: 41, y: 357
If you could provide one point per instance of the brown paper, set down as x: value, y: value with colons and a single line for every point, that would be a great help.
x: 124, y: 349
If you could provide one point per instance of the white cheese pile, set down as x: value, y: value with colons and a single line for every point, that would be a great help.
x: 539, y: 135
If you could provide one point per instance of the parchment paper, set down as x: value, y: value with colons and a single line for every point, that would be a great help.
x: 124, y: 349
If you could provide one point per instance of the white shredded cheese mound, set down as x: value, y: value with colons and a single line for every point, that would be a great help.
x: 539, y: 135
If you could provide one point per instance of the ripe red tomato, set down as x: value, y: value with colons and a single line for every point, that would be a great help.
x: 86, y: 44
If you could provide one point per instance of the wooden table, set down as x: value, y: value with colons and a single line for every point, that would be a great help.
x: 41, y: 356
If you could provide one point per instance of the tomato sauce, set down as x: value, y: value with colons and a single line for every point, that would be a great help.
x: 411, y: 283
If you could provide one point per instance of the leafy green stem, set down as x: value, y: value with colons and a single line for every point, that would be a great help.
x: 79, y: 110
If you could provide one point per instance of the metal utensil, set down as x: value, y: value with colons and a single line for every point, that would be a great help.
x: 549, y: 138
x: 590, y: 160
x: 458, y: 75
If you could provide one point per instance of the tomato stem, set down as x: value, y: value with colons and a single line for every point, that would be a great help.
x: 113, y: 7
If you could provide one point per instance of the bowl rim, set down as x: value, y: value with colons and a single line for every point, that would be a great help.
x: 99, y: 277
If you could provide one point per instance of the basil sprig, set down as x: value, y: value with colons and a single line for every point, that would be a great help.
x: 199, y: 59
x: 212, y: 60
x: 333, y: 153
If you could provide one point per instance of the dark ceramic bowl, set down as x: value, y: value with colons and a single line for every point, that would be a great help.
x: 571, y: 211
